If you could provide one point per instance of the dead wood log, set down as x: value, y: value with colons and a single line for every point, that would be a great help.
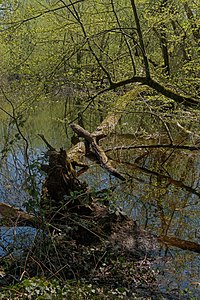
x: 104, y: 129
x: 13, y: 216
x: 108, y: 125
x: 61, y: 179
x: 179, y: 243
x: 99, y: 152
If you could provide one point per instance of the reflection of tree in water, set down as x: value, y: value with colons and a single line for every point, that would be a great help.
x: 163, y: 196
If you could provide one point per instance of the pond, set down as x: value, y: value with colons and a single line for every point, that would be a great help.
x: 161, y: 192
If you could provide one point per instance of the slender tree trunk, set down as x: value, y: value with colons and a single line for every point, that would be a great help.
x: 195, y: 27
x: 141, y: 40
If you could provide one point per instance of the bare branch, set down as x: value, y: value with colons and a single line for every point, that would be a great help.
x: 125, y: 38
x: 170, y: 146
x: 15, y: 215
x: 179, y: 243
x: 99, y: 152
x: 20, y: 22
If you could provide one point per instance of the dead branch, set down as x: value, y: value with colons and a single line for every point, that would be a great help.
x: 188, y: 132
x: 13, y: 215
x: 179, y: 243
x: 46, y: 142
x: 170, y: 146
x: 98, y: 151
x: 109, y: 123
x: 104, y: 129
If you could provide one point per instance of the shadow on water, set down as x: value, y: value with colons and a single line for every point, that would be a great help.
x: 161, y: 193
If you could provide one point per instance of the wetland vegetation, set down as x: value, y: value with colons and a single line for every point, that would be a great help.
x: 115, y: 84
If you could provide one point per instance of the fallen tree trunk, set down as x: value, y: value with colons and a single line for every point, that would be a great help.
x: 109, y: 123
x: 179, y: 243
x: 93, y: 147
x: 13, y: 216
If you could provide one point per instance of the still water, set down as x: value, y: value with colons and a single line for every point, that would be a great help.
x: 161, y: 192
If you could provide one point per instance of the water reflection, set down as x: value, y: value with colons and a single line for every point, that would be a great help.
x: 13, y: 241
x: 161, y: 192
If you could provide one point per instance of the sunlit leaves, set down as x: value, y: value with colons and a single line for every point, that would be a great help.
x: 56, y: 42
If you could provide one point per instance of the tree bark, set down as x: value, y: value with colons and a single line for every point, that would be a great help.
x: 179, y: 243
x: 179, y: 98
x: 13, y: 216
x: 98, y: 151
